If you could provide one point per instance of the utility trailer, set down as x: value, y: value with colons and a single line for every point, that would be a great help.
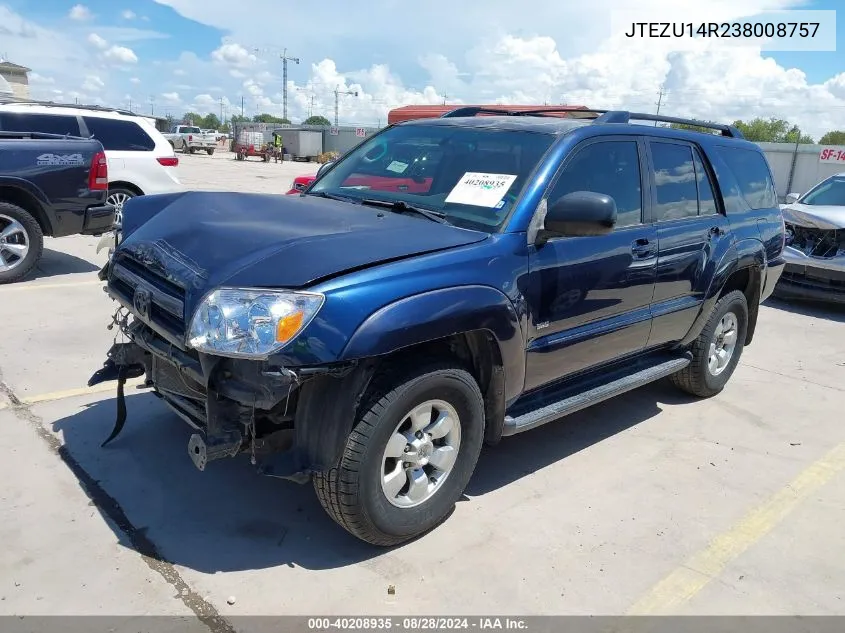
x: 250, y: 139
x: 301, y: 144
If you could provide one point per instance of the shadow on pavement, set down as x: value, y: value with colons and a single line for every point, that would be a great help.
x: 229, y: 518
x: 55, y: 263
x: 829, y: 311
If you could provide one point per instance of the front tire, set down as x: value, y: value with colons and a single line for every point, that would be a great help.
x: 409, y: 457
x: 21, y: 242
x: 716, y: 351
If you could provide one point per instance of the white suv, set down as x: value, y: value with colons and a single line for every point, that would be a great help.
x: 141, y: 160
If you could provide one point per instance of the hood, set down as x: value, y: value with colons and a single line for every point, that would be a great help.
x: 200, y: 240
x: 815, y: 216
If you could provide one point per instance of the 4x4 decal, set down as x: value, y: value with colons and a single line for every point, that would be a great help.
x: 71, y: 160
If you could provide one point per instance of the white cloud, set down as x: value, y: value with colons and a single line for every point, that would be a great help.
x: 135, y: 80
x: 171, y: 98
x: 128, y: 15
x: 93, y: 83
x: 35, y: 78
x: 121, y: 54
x: 234, y: 55
x: 80, y: 13
x: 97, y: 41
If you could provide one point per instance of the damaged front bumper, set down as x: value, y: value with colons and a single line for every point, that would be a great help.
x: 291, y: 422
x: 812, y: 278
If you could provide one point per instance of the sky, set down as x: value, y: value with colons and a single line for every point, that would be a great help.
x: 172, y: 56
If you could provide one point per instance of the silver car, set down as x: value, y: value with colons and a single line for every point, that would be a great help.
x: 815, y: 243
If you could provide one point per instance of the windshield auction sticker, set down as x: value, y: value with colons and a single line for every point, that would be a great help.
x: 480, y: 190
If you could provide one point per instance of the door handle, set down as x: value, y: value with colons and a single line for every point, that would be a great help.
x: 642, y: 248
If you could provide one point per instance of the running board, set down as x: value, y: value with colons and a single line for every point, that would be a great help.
x: 583, y: 399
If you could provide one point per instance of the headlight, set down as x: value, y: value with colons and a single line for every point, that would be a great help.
x: 250, y: 323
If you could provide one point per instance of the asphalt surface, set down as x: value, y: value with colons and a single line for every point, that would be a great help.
x: 651, y: 503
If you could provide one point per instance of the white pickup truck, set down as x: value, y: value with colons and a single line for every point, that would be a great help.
x: 190, y: 139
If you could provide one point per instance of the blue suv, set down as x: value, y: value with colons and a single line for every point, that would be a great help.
x: 446, y: 283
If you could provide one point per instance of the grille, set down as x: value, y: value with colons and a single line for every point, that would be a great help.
x: 150, y: 297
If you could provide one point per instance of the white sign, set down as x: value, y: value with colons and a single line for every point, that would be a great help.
x: 397, y: 166
x: 360, y: 132
x: 832, y: 155
x: 334, y: 131
x: 481, y: 190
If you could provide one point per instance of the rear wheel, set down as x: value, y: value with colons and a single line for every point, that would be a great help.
x: 21, y: 242
x: 409, y: 457
x: 716, y: 351
x: 117, y: 198
x: 210, y: 151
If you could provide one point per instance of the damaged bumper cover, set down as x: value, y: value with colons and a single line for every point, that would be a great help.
x: 814, y: 256
x: 291, y: 422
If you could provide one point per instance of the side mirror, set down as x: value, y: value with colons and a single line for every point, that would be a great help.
x: 792, y: 197
x: 323, y: 168
x: 581, y: 213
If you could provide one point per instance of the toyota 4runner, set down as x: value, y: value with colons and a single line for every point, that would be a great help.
x: 447, y: 283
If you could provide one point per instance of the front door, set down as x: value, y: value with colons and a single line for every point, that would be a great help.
x: 691, y: 236
x: 589, y: 297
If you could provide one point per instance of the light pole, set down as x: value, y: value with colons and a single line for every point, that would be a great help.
x: 337, y: 94
x: 285, y: 60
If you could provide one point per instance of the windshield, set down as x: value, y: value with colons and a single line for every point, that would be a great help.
x: 473, y: 176
x: 829, y: 192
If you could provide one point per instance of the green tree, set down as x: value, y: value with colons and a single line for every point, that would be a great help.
x: 238, y: 118
x: 694, y: 128
x: 834, y: 137
x: 210, y: 122
x: 772, y: 130
x: 317, y: 120
x: 191, y: 118
x: 269, y: 118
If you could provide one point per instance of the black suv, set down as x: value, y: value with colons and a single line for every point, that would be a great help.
x: 446, y: 283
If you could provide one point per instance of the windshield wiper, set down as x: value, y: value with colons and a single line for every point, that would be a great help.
x: 400, y: 206
x: 330, y: 196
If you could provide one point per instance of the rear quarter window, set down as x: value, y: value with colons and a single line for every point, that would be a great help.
x: 44, y: 123
x: 118, y: 135
x: 750, y: 179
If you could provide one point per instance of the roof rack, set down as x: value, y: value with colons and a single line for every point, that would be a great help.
x: 598, y: 116
x: 547, y: 111
x: 623, y: 116
x: 94, y: 108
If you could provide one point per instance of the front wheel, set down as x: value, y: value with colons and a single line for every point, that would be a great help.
x: 409, y: 457
x: 716, y: 351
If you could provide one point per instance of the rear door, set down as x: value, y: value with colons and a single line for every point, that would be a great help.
x: 589, y: 297
x: 691, y: 235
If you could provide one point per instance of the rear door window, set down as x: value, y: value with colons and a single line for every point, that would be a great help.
x: 118, y: 135
x: 752, y: 175
x: 44, y: 123
x: 675, y: 186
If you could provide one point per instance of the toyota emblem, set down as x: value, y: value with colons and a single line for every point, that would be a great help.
x: 141, y: 302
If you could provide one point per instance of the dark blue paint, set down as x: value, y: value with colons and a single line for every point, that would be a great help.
x: 563, y: 307
x: 58, y: 195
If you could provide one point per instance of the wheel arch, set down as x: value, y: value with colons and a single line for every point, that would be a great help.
x: 741, y: 268
x: 123, y: 184
x: 28, y: 201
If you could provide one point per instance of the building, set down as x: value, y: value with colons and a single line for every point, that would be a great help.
x: 410, y: 112
x: 14, y: 81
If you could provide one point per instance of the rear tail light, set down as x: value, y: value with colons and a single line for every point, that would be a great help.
x: 98, y: 174
x: 168, y: 161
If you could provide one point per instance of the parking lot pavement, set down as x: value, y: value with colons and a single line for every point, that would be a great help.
x: 221, y: 172
x: 650, y: 503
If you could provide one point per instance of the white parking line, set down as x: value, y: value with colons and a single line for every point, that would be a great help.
x: 104, y: 387
x: 71, y: 284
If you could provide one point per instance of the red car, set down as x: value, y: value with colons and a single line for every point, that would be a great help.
x: 299, y: 184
